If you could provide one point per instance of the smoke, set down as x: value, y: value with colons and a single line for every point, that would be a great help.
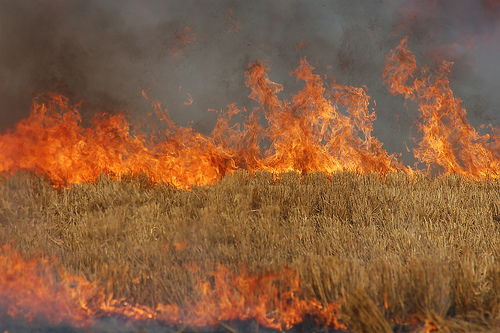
x: 107, y: 52
x: 468, y: 34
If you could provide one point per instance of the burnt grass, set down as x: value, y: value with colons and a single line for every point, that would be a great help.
x: 391, y: 247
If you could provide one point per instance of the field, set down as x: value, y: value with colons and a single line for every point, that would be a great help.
x: 393, y: 251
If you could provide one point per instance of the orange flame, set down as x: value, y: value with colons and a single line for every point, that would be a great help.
x: 321, y: 128
x: 34, y: 290
x: 236, y: 24
x: 307, y: 133
x: 190, y: 100
x: 448, y: 140
x: 183, y: 40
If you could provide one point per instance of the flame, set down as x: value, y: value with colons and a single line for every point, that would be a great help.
x: 306, y: 133
x: 52, y: 142
x: 299, y: 46
x: 236, y: 25
x: 35, y: 290
x: 309, y: 133
x: 323, y: 127
x: 448, y: 140
x: 183, y: 41
x: 190, y: 99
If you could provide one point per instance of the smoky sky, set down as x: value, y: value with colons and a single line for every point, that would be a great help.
x: 108, y: 52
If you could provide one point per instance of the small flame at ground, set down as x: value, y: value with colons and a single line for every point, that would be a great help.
x: 36, y: 290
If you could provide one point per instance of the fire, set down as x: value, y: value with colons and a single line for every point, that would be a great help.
x: 325, y: 128
x: 448, y: 140
x: 190, y: 100
x: 236, y: 25
x: 183, y: 41
x: 309, y: 133
x: 52, y: 142
x: 306, y: 133
x: 35, y: 290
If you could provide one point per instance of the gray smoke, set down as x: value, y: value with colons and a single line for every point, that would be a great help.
x: 107, y: 52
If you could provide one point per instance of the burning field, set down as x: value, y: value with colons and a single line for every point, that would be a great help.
x: 290, y: 214
x: 306, y: 251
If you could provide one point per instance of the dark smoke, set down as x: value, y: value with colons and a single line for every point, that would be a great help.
x: 107, y: 52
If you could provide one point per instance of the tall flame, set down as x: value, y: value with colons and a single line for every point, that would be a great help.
x: 35, y: 290
x: 307, y: 133
x: 324, y: 128
x: 448, y: 140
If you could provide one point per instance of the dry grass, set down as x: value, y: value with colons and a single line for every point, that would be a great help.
x: 392, y: 247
